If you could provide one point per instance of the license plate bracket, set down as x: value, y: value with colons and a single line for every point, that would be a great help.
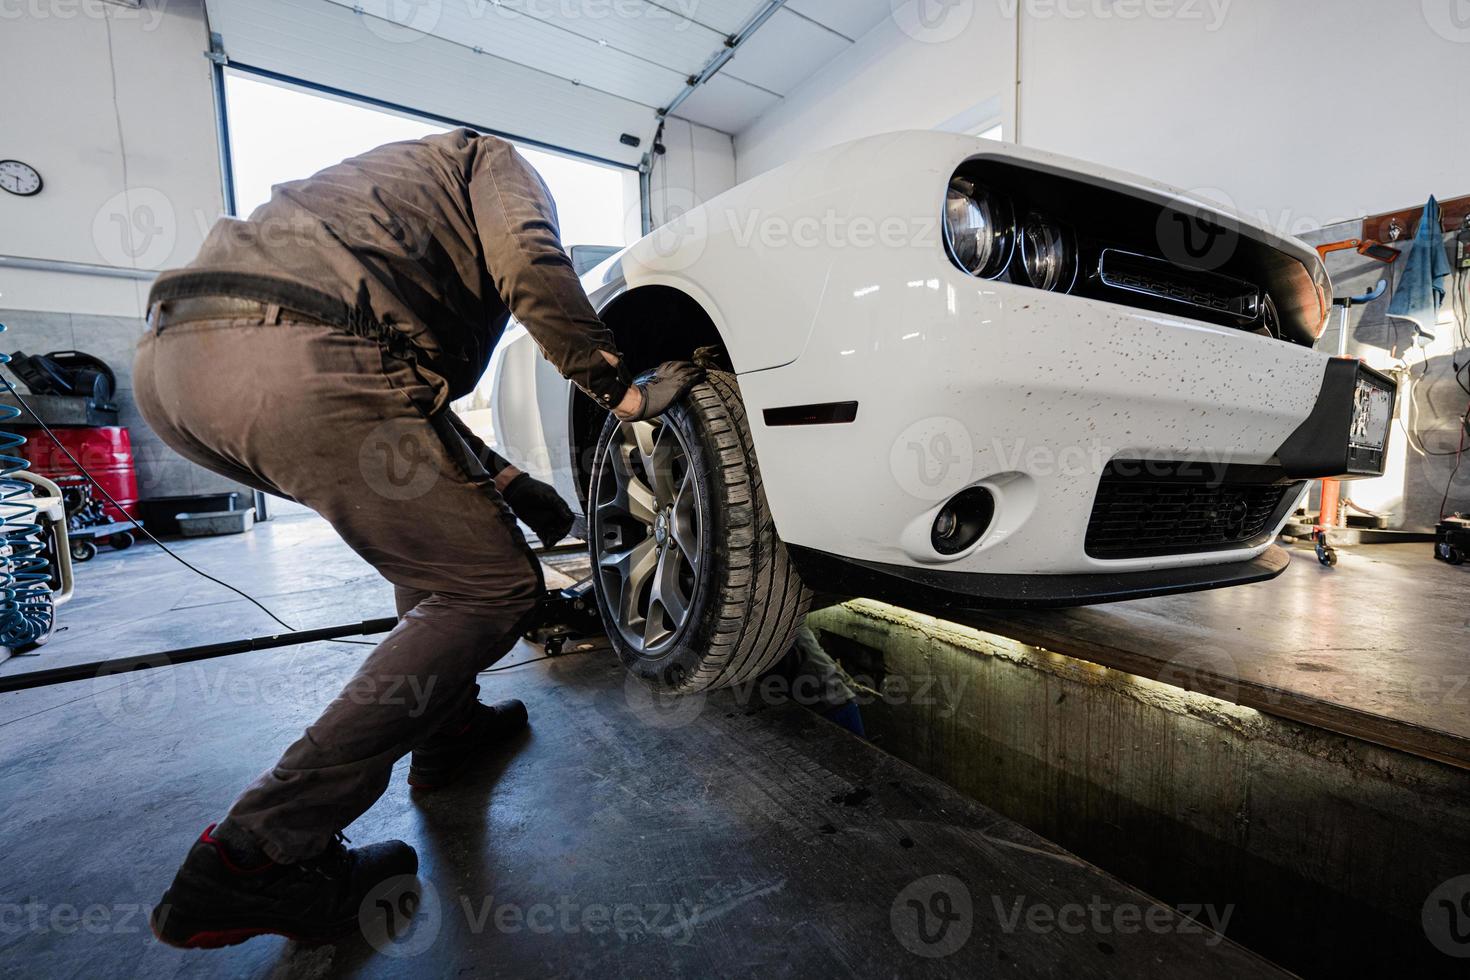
x: 1372, y: 417
x: 1347, y: 435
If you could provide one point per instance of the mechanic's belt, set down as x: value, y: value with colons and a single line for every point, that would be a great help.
x: 197, y: 308
x: 193, y: 309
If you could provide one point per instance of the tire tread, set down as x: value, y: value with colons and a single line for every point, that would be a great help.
x: 762, y: 600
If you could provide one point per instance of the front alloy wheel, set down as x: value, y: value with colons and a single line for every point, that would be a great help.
x: 693, y: 584
x: 648, y: 520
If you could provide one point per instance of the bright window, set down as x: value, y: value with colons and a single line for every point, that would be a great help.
x: 280, y: 133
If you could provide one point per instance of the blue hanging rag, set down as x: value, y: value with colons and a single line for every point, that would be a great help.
x: 1421, y: 287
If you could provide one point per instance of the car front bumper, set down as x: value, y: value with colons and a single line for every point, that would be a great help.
x: 962, y: 383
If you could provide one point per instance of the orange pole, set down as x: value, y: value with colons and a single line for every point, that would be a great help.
x: 1328, y: 515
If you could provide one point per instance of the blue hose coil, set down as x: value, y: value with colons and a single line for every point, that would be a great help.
x: 26, y: 608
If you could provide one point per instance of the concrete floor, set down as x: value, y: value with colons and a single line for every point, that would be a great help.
x: 617, y: 838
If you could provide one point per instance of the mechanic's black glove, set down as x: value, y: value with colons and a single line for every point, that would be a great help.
x: 540, y: 507
x: 663, y: 386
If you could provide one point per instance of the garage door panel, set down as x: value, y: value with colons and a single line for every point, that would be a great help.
x: 327, y: 44
x: 662, y: 35
x: 535, y: 43
x: 725, y: 16
x: 659, y: 35
x: 850, y: 18
x: 784, y: 52
x: 726, y: 104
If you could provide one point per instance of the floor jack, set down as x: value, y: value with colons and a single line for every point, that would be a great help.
x: 567, y: 622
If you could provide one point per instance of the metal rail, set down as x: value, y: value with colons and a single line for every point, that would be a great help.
x: 185, y: 655
x: 720, y: 60
x: 75, y: 268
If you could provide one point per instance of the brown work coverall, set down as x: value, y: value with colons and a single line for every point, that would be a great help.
x: 429, y: 246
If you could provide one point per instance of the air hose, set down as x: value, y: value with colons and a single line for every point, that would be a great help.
x: 26, y: 608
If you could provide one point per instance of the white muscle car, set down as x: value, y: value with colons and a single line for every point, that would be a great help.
x: 947, y: 372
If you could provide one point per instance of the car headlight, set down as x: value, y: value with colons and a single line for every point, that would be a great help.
x: 1048, y: 254
x: 978, y: 228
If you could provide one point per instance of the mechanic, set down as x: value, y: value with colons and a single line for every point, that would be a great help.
x: 311, y: 351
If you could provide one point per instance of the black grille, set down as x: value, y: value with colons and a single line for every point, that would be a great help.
x: 1163, y: 280
x: 1150, y: 509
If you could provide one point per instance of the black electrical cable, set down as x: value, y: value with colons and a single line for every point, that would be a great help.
x: 1450, y: 483
x: 525, y: 663
x: 146, y: 533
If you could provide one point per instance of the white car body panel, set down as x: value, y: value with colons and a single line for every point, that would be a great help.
x: 960, y: 381
x: 528, y: 404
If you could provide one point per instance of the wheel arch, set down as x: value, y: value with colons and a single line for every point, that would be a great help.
x: 651, y: 324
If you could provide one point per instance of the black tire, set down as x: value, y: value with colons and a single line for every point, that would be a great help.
x: 83, y: 551
x: 121, y: 541
x: 747, y: 599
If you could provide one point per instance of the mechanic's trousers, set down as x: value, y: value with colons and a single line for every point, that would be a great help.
x: 333, y: 421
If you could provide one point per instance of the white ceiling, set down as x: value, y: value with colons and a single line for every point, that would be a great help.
x: 576, y: 73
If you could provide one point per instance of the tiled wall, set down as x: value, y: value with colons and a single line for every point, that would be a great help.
x: 161, y: 471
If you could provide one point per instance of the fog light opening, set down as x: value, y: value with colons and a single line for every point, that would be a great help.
x: 962, y: 521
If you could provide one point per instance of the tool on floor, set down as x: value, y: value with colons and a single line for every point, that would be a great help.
x: 186, y: 655
x: 1330, y: 500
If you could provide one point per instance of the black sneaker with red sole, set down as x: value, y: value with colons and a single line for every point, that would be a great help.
x: 447, y: 755
x: 213, y: 902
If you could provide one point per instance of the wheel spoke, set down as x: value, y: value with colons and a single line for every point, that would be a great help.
x: 685, y: 521
x: 631, y: 569
x: 630, y: 496
x: 668, y: 591
x: 645, y: 437
x: 654, y: 630
x: 666, y: 451
x: 631, y: 500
